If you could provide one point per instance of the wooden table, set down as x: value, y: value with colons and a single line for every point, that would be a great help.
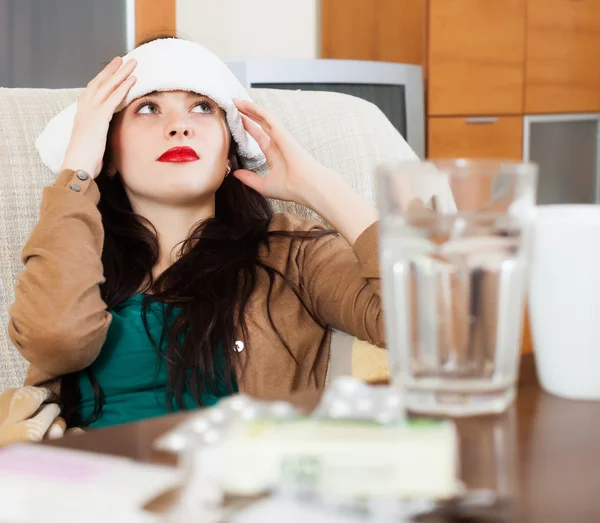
x: 544, y: 452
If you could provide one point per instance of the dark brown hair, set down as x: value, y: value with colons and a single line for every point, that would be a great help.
x: 211, y: 281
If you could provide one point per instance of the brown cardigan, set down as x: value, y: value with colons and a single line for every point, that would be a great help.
x: 59, y: 320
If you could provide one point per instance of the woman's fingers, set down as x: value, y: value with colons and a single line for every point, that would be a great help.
x: 111, y: 68
x: 256, y: 131
x: 116, y: 80
x: 279, y: 136
x: 259, y: 114
x: 95, y: 109
x: 251, y: 179
x: 118, y: 95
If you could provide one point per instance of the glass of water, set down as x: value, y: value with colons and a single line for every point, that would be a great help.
x: 455, y: 242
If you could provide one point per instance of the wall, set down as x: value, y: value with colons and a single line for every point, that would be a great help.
x: 238, y: 29
x: 62, y: 43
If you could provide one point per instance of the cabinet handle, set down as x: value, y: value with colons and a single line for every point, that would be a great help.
x: 481, y: 119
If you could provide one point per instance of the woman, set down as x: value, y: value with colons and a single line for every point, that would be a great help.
x: 158, y: 278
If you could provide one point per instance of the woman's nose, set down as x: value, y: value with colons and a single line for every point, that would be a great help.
x: 178, y: 127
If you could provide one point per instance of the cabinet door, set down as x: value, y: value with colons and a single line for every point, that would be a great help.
x: 566, y: 148
x: 154, y: 18
x: 475, y: 137
x: 379, y: 30
x: 563, y: 56
x: 476, y: 57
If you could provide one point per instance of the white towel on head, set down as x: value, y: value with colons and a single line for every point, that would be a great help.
x: 165, y: 65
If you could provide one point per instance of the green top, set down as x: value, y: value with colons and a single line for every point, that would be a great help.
x: 132, y: 375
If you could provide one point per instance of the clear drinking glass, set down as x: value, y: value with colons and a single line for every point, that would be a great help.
x: 455, y: 248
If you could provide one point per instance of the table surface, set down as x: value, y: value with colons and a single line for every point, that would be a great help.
x: 541, y: 452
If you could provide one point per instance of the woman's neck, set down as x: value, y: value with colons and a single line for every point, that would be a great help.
x: 173, y: 225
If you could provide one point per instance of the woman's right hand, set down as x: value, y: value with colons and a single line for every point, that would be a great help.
x: 95, y: 109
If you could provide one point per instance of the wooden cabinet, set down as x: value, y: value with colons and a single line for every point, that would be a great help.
x: 563, y: 56
x: 478, y: 137
x: 476, y: 57
x: 154, y: 18
x: 382, y: 30
x: 480, y: 57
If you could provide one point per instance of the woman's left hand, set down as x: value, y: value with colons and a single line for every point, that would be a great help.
x: 294, y: 174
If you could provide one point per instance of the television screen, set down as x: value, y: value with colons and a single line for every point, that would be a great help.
x: 391, y: 99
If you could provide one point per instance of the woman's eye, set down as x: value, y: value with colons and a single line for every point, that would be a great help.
x: 202, y: 107
x: 148, y: 109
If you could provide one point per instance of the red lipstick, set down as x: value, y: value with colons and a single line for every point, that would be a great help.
x: 179, y: 154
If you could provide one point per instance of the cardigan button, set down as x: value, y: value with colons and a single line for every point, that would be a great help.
x: 82, y: 175
x: 75, y: 187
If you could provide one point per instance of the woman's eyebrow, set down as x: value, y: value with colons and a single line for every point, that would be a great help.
x: 188, y: 94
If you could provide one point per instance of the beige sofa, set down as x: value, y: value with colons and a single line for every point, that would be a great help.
x: 345, y: 133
